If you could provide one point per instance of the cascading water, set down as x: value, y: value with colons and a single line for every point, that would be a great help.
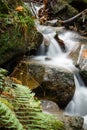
x: 70, y: 41
x: 51, y: 50
x: 58, y: 58
x: 50, y: 53
x: 78, y: 105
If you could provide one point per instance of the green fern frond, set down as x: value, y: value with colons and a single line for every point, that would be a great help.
x: 6, y: 103
x: 8, y: 118
x: 29, y: 112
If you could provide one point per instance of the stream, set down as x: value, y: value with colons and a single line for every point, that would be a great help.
x: 51, y: 54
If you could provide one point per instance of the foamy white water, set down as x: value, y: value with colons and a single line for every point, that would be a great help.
x: 60, y: 61
x: 51, y: 49
x: 78, y: 105
x: 85, y: 122
x: 69, y: 39
x: 51, y: 54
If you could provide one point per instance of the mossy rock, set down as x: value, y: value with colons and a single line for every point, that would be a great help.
x: 17, y: 33
x: 79, y: 5
x: 9, y: 5
x: 62, y: 9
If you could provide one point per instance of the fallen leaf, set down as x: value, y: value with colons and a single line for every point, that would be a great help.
x: 19, y: 8
x: 84, y: 54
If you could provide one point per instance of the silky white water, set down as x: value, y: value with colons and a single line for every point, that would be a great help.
x: 58, y: 58
x: 51, y: 50
x: 78, y: 105
x: 51, y: 54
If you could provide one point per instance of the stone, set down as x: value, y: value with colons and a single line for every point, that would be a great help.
x: 82, y: 62
x: 47, y: 82
x: 82, y: 59
x: 70, y: 122
x: 55, y: 84
x: 33, y: 42
x: 79, y: 5
x: 60, y: 8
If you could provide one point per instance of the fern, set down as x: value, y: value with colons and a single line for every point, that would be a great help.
x: 3, y: 72
x: 8, y: 118
x: 29, y: 112
x: 19, y: 110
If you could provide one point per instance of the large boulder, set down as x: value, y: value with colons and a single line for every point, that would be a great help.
x: 18, y: 33
x: 79, y: 5
x: 60, y: 8
x: 55, y: 84
x: 51, y: 83
x: 19, y: 47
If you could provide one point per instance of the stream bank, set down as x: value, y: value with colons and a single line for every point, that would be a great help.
x: 52, y: 79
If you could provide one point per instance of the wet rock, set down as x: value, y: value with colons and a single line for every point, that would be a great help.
x: 49, y: 107
x: 60, y: 8
x: 28, y: 46
x: 82, y: 59
x: 55, y: 84
x: 73, y: 122
x: 79, y: 5
x: 83, y: 74
x: 21, y: 73
x: 52, y: 22
x: 47, y: 58
x: 74, y: 56
x: 47, y: 82
x: 70, y: 122
x: 18, y: 36
x: 82, y: 62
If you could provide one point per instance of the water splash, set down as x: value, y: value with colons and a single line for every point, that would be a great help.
x: 50, y: 53
x: 78, y: 105
x: 85, y: 123
x: 51, y: 50
x: 71, y: 40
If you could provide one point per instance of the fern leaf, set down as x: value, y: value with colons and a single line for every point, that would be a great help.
x: 8, y: 118
x: 28, y: 111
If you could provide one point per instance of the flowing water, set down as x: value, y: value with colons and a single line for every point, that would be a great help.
x: 50, y: 53
x: 58, y: 58
x: 78, y: 105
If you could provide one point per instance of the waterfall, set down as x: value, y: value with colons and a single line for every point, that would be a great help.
x: 78, y: 105
x: 71, y: 40
x: 50, y: 53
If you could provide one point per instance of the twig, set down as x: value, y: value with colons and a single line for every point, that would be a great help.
x: 71, y: 20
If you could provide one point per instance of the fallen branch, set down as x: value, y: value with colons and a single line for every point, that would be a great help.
x: 71, y: 20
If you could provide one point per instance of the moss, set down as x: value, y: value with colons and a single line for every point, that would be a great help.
x: 79, y: 5
x: 15, y: 28
x: 63, y: 10
x: 7, y: 6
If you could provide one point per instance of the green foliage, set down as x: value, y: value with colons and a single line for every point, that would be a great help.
x: 20, y: 110
x: 4, y: 101
x: 7, y: 6
x: 29, y: 112
x: 8, y: 118
x: 15, y: 28
x: 3, y: 72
